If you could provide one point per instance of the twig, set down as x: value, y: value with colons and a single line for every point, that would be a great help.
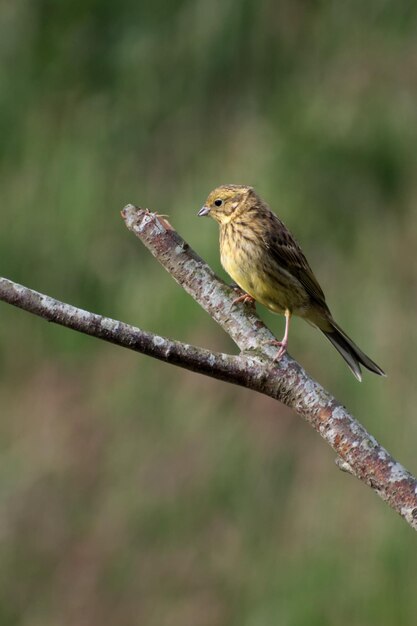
x: 357, y: 451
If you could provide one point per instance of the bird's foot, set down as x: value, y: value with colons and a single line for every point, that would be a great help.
x: 282, y: 348
x: 245, y: 298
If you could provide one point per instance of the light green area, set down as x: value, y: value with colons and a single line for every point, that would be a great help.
x: 132, y: 492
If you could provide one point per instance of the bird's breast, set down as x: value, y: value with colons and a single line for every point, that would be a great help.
x: 245, y: 258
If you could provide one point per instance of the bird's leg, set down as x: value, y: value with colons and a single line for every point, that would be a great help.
x: 284, y: 342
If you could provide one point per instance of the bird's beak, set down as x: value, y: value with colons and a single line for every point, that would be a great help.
x: 205, y: 210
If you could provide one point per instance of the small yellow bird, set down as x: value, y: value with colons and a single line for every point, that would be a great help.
x: 263, y: 258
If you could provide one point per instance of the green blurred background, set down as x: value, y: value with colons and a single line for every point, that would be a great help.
x: 132, y: 492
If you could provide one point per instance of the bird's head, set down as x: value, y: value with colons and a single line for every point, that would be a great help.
x: 226, y: 202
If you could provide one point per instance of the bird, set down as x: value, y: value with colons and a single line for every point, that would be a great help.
x: 266, y: 262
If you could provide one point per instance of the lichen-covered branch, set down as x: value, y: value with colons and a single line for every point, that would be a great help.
x: 358, y: 452
x: 225, y: 367
x: 285, y: 381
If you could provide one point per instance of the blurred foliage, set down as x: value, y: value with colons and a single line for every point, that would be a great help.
x: 135, y: 493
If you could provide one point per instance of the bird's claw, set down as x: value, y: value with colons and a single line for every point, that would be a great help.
x: 282, y: 348
x: 245, y: 298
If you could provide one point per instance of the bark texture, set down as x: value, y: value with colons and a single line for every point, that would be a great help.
x: 358, y: 452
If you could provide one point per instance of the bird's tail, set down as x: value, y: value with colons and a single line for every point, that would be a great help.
x: 353, y: 356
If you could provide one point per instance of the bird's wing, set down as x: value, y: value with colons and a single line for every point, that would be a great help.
x: 288, y: 255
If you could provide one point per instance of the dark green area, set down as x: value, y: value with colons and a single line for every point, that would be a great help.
x: 135, y: 493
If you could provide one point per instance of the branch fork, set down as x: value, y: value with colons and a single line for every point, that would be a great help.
x: 358, y: 452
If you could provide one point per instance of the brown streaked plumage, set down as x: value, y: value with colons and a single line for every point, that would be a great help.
x: 263, y: 258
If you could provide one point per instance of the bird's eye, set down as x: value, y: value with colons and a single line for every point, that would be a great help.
x: 218, y: 202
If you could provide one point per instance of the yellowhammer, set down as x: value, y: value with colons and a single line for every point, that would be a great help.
x: 263, y: 258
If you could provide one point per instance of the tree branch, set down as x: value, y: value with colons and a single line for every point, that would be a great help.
x: 358, y: 452
x: 225, y: 367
